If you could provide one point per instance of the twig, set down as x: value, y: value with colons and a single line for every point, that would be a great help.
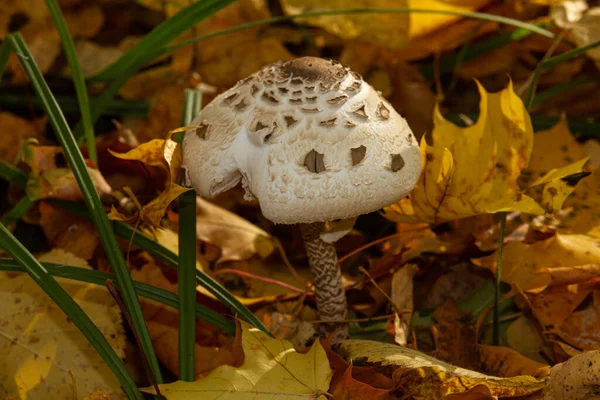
x: 364, y: 271
x: 288, y: 264
x: 259, y: 278
x: 377, y: 241
x: 346, y: 321
x: 496, y: 327
x: 117, y: 296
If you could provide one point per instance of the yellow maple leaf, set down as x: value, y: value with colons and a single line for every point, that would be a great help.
x: 162, y: 154
x: 431, y: 378
x: 40, y: 345
x: 474, y: 170
x: 271, y: 369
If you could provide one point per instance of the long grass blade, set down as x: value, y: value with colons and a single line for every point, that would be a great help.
x: 273, y: 20
x: 15, y: 214
x: 98, y: 216
x: 49, y: 285
x: 161, y: 36
x: 151, y: 292
x: 187, y: 258
x: 12, y: 174
x: 549, y: 64
x: 78, y: 79
x: 167, y: 256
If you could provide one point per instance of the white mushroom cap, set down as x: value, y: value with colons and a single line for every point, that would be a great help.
x: 309, y: 139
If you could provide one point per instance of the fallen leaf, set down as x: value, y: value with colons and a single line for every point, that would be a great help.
x: 582, y: 27
x: 575, y: 379
x: 474, y: 170
x: 40, y: 345
x: 454, y: 336
x: 580, y: 329
x: 522, y: 335
x: 17, y: 130
x: 237, y: 238
x: 402, y: 296
x: 349, y: 388
x: 507, y: 362
x: 388, y: 29
x: 530, y: 265
x: 97, y: 395
x: 160, y: 154
x: 162, y: 325
x: 429, y: 377
x: 66, y: 231
x: 271, y: 369
x: 50, y: 176
x: 423, y: 23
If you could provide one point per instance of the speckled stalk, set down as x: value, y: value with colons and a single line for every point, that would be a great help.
x: 327, y: 277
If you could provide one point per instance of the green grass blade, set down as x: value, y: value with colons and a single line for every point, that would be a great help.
x: 162, y: 253
x: 187, y: 258
x: 551, y: 62
x: 5, y: 50
x: 17, y: 211
x: 12, y: 174
x: 456, y: 59
x: 267, y: 21
x: 78, y: 79
x: 77, y: 163
x: 69, y: 104
x: 498, y: 281
x: 49, y: 285
x: 151, y: 292
x: 161, y: 36
x: 560, y: 88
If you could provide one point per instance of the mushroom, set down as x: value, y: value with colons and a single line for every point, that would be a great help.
x: 313, y: 143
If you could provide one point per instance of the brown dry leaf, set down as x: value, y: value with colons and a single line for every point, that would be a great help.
x: 222, y: 61
x: 503, y: 361
x: 575, y: 379
x: 162, y: 325
x: 164, y: 155
x: 402, y: 296
x: 474, y: 170
x: 42, y: 38
x: 97, y: 395
x: 583, y: 27
x: 522, y: 335
x: 50, y: 178
x: 16, y: 131
x: 479, y: 392
x: 454, y: 336
x: 580, y: 329
x: 237, y: 238
x: 164, y: 114
x: 388, y: 29
x: 432, y: 378
x: 530, y: 265
x: 348, y: 388
x: 66, y: 231
x: 40, y: 344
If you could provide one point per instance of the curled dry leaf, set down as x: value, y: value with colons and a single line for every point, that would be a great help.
x: 575, y: 379
x: 237, y: 238
x: 504, y: 361
x: 50, y: 176
x: 474, y: 170
x: 40, y: 345
x: 429, y: 378
x: 271, y: 369
x: 162, y: 154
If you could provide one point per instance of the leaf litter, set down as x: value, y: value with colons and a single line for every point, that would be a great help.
x: 440, y: 253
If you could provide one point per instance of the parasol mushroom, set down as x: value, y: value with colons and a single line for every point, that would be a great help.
x: 312, y: 142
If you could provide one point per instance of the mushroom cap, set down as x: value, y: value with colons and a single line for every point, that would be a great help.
x: 309, y: 139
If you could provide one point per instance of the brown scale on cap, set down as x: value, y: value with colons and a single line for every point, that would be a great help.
x: 312, y: 68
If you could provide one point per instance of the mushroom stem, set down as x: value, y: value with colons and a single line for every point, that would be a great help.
x: 327, y: 278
